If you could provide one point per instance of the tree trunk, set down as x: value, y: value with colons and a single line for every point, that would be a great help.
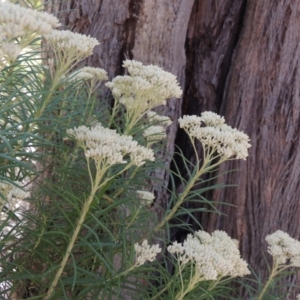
x: 235, y: 57
x: 262, y: 98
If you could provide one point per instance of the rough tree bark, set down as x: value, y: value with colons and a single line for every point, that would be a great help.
x: 262, y: 98
x: 238, y: 58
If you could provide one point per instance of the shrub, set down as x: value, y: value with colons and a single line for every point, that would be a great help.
x: 76, y: 185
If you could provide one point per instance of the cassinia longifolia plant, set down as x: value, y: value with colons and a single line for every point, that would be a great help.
x: 77, y: 218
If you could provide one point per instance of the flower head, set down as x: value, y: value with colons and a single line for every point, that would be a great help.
x: 140, y: 155
x: 17, y: 21
x: 145, y: 88
x: 87, y: 73
x: 10, y: 50
x: 214, y: 255
x: 212, y: 119
x: 133, y: 92
x: 69, y: 48
x: 154, y: 133
x: 107, y: 147
x: 156, y: 76
x: 146, y: 197
x: 156, y: 118
x: 22, y: 23
x: 145, y: 253
x: 215, y: 135
x: 65, y: 40
x: 283, y: 248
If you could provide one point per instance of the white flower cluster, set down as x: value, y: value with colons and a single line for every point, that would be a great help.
x: 130, y: 91
x: 70, y: 42
x: 17, y: 21
x: 156, y: 76
x: 87, y: 73
x: 212, y: 119
x: 298, y: 297
x: 12, y: 192
x: 107, y: 147
x: 156, y: 118
x: 283, y: 248
x: 10, y: 50
x: 145, y: 253
x: 210, y: 129
x: 145, y: 88
x: 22, y: 23
x: 214, y: 255
x: 146, y: 197
x: 154, y: 133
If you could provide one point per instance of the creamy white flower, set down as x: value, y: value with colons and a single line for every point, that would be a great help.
x: 140, y: 155
x: 11, y: 50
x: 203, y: 236
x: 67, y: 41
x: 17, y: 21
x: 145, y: 253
x: 187, y: 122
x: 214, y: 255
x: 176, y: 248
x: 145, y: 88
x: 87, y: 73
x: 162, y: 120
x: 132, y: 65
x: 156, y: 76
x: 146, y: 197
x: 107, y: 147
x: 212, y: 119
x: 80, y: 75
x: 133, y: 92
x: 24, y: 24
x: 213, y: 133
x: 111, y: 154
x: 154, y: 133
x: 283, y: 248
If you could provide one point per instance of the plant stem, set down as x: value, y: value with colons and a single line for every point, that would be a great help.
x: 176, y: 206
x: 165, y: 288
x: 272, y: 275
x: 192, y: 284
x: 85, y: 209
x: 83, y: 214
x: 134, y: 218
x: 187, y: 189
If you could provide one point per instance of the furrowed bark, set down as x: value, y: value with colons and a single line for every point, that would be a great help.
x: 262, y: 98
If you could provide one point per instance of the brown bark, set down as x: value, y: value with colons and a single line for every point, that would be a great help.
x: 212, y: 34
x: 262, y: 98
x: 238, y: 58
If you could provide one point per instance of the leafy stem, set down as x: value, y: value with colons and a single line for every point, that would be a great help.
x: 95, y: 186
x: 274, y: 272
x: 80, y: 221
x: 205, y: 167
